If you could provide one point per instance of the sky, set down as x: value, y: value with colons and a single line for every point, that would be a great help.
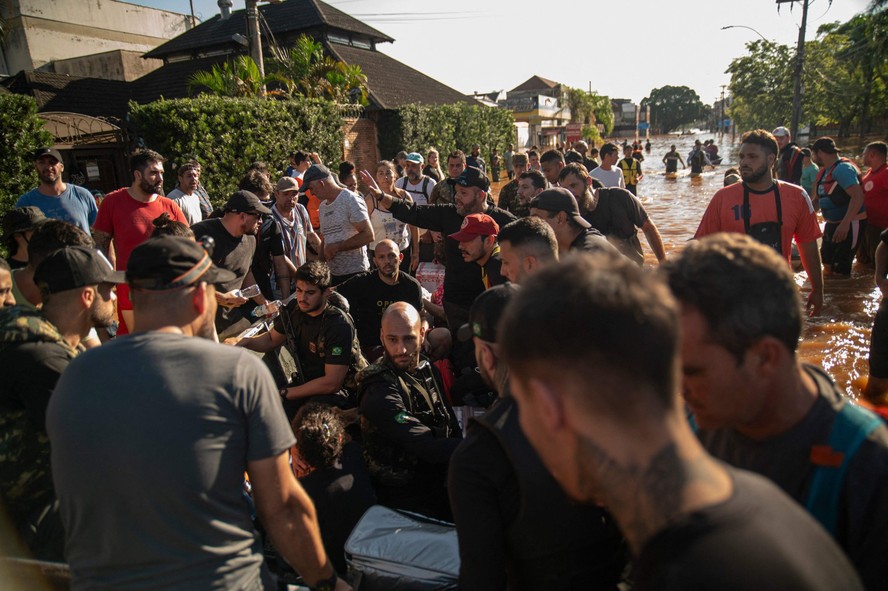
x: 622, y: 49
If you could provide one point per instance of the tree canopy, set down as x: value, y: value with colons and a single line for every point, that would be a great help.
x: 674, y: 106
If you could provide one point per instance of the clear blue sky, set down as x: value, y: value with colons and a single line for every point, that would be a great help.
x: 623, y: 48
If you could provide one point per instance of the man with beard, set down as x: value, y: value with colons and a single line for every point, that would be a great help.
x: 324, y: 339
x: 409, y: 429
x: 77, y: 288
x: 477, y: 244
x: 175, y: 501
x: 370, y: 293
x: 234, y: 244
x: 462, y: 279
x: 126, y: 216
x: 558, y: 208
x: 55, y: 198
x: 592, y: 346
x: 526, y: 246
x: 345, y: 224
x: 185, y: 194
x: 613, y: 211
x: 444, y: 191
x: 475, y: 160
x: 414, y: 182
x: 517, y: 529
x: 508, y: 195
x: 772, y: 212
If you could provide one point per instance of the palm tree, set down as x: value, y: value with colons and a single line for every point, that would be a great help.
x: 238, y: 78
x: 304, y: 70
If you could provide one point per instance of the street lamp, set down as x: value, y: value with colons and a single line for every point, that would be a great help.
x: 745, y: 27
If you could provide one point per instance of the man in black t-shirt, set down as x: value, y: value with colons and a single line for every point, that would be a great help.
x: 592, y: 348
x: 370, y: 293
x: 323, y: 339
x: 558, y: 208
x: 234, y: 244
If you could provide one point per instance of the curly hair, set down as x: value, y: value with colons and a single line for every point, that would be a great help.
x: 319, y: 434
x: 164, y: 225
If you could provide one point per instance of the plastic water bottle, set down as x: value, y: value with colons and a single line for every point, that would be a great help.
x: 266, y: 309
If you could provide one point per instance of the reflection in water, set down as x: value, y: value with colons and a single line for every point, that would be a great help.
x: 838, y: 339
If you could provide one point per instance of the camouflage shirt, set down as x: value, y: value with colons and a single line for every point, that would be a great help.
x: 32, y: 356
x: 508, y: 199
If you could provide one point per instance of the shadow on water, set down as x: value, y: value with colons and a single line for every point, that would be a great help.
x: 838, y: 339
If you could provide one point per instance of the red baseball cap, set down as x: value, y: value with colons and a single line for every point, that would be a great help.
x: 474, y: 225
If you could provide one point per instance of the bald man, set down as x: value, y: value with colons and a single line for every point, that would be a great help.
x: 409, y: 429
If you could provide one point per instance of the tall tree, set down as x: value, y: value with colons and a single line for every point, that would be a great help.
x: 673, y: 106
x: 761, y: 86
x: 304, y: 70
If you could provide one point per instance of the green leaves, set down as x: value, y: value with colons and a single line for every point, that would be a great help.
x: 228, y: 134
x: 673, y: 106
x: 418, y: 127
x: 21, y: 132
x: 304, y: 70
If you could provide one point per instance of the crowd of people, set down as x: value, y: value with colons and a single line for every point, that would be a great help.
x: 179, y: 378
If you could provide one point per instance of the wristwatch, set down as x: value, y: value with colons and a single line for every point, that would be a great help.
x: 326, y: 584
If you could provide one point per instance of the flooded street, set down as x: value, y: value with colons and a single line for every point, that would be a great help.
x: 838, y: 339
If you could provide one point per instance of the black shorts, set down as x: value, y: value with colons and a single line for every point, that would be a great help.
x: 839, y: 255
x: 878, y: 354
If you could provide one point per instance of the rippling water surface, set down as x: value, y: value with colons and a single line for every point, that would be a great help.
x: 838, y: 339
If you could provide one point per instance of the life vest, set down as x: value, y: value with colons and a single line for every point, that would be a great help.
x: 831, y: 188
x: 629, y: 166
x: 552, y: 543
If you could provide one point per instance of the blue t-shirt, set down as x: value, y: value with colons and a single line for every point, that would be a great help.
x: 75, y: 205
x: 845, y: 175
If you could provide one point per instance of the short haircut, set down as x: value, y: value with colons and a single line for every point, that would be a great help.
x: 164, y: 225
x: 142, y: 158
x: 596, y: 184
x: 609, y: 148
x: 552, y: 156
x: 763, y: 138
x: 532, y: 154
x: 299, y: 156
x: 457, y: 154
x: 319, y: 434
x: 537, y: 178
x: 4, y: 265
x: 260, y: 166
x: 401, y: 155
x: 744, y: 290
x: 256, y: 181
x: 575, y: 169
x: 533, y: 236
x: 187, y: 167
x: 597, y: 320
x: 732, y: 170
x: 880, y: 147
x: 53, y: 235
x: 593, y: 151
x: 314, y: 273
x: 519, y: 160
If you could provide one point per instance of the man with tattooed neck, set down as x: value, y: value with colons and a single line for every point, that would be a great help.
x: 592, y: 349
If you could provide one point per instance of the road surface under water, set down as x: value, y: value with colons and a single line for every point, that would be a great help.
x: 837, y: 339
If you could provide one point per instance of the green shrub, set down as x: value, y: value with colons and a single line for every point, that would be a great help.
x: 445, y: 127
x: 228, y: 134
x: 21, y: 132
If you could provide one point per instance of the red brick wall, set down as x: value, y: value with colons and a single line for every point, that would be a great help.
x: 360, y: 143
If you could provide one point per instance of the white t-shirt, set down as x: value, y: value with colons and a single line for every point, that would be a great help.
x: 609, y: 178
x: 416, y: 192
x: 338, y: 219
x: 189, y: 204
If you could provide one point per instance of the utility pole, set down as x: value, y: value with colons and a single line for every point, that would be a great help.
x: 253, y: 34
x: 797, y: 75
x: 721, y: 119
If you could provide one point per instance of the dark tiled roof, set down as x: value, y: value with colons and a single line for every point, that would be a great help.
x: 171, y: 80
x: 535, y: 83
x: 393, y: 84
x: 60, y: 92
x: 285, y: 19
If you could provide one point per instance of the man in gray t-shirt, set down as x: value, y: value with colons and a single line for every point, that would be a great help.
x: 151, y: 435
x: 345, y: 225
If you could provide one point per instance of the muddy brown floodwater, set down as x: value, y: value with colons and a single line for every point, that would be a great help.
x: 837, y: 339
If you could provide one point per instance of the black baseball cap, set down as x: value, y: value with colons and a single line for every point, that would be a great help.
x: 559, y: 199
x: 72, y: 267
x: 22, y: 219
x: 47, y: 152
x: 825, y: 144
x: 172, y: 262
x: 473, y: 177
x: 485, y: 313
x: 315, y: 172
x: 245, y: 202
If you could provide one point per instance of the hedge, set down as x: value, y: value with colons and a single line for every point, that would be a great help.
x: 228, y: 134
x: 418, y: 127
x: 21, y: 132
